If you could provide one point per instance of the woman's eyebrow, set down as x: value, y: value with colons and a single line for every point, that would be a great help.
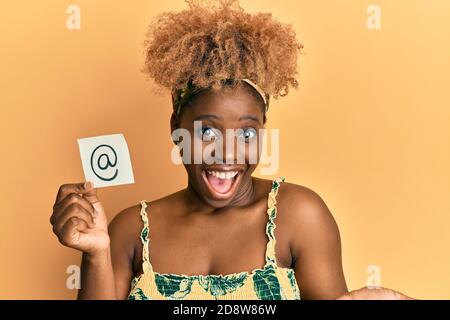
x: 208, y: 116
x: 251, y: 118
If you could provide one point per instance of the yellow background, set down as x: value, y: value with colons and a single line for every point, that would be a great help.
x: 368, y: 130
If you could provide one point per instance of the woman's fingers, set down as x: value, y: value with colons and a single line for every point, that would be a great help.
x: 345, y: 297
x: 375, y: 293
x: 70, y: 199
x: 73, y: 210
x: 66, y: 189
x: 76, y: 234
x: 401, y: 296
x: 90, y: 193
x: 79, y: 219
x: 71, y: 232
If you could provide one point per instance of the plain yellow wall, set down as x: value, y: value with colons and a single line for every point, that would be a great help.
x: 368, y: 130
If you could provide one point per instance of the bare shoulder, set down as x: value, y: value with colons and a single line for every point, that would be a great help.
x: 302, y: 202
x: 128, y: 222
x: 125, y: 232
x: 127, y: 217
x: 125, y: 228
x: 307, y: 215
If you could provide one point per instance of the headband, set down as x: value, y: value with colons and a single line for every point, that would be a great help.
x: 181, y: 96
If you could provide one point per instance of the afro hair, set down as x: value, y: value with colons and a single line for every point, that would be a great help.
x: 215, y: 40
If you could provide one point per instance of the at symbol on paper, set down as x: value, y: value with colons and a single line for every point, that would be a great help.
x: 103, y: 162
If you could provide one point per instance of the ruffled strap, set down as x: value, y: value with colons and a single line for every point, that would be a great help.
x: 270, y: 227
x: 146, y: 266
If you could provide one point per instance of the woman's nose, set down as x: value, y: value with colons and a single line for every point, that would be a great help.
x: 231, y: 152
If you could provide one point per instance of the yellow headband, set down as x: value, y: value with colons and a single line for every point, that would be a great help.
x: 180, y: 96
x: 261, y: 93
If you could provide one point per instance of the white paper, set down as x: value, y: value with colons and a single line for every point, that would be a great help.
x: 106, y: 160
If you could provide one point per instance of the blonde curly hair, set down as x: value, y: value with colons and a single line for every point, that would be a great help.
x: 216, y: 40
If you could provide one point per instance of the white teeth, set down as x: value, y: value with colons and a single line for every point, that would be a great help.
x: 230, y: 175
x: 223, y: 175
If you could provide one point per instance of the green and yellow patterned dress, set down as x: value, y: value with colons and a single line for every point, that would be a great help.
x: 268, y: 283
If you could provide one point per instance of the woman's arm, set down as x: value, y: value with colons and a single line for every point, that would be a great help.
x: 108, y: 274
x: 124, y: 231
x: 97, y: 277
x: 315, y: 245
x: 79, y: 221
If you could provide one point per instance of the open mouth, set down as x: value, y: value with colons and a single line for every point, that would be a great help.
x: 221, y: 184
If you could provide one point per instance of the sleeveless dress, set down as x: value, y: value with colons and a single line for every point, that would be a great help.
x: 268, y: 283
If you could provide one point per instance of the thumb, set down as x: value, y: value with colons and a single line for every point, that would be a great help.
x: 90, y: 193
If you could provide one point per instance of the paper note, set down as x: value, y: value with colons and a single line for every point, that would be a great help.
x: 106, y: 160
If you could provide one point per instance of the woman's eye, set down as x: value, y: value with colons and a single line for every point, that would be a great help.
x: 208, y: 134
x: 247, y: 134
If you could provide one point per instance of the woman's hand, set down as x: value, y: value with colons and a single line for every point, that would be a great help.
x: 375, y: 293
x: 79, y: 219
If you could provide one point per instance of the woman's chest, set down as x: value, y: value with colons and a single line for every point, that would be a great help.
x: 230, y: 242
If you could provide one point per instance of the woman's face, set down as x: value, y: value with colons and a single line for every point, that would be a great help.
x: 224, y: 127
